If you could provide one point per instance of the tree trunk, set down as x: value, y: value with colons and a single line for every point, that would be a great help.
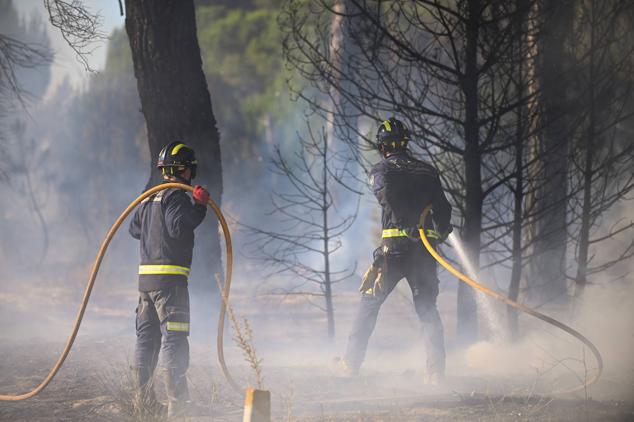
x: 518, y: 195
x: 330, y: 312
x: 584, y: 234
x: 467, y: 328
x: 547, y: 270
x: 343, y: 47
x: 532, y: 114
x: 177, y: 107
x: 522, y: 44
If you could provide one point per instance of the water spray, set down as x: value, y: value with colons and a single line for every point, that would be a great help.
x: 93, y: 275
x: 516, y: 305
x: 491, y: 318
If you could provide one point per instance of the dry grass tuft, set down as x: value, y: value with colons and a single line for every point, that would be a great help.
x: 121, y: 386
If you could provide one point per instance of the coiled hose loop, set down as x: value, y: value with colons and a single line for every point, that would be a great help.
x: 93, y: 275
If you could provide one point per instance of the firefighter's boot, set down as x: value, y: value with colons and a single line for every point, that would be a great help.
x: 435, y: 379
x: 179, y: 404
x: 343, y: 368
x: 186, y: 408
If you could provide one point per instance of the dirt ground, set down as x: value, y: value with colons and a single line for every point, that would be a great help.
x: 95, y: 385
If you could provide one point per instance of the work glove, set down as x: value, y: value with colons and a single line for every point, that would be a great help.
x: 373, y: 277
x: 372, y: 281
x: 200, y: 194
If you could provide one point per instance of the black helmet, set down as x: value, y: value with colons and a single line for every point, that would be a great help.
x: 177, y: 156
x: 392, y: 134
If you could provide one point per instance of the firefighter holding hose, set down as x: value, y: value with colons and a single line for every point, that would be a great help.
x: 403, y: 186
x: 164, y: 223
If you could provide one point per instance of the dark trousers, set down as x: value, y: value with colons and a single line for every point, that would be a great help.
x: 162, y: 324
x: 419, y: 268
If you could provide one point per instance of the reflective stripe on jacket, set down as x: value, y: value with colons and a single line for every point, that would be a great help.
x: 164, y: 269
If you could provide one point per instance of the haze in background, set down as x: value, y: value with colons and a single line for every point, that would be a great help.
x: 82, y: 157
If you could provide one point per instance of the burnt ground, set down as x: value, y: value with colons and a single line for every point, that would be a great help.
x: 95, y: 385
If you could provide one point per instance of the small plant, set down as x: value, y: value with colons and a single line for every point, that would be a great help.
x: 289, y: 400
x: 243, y: 336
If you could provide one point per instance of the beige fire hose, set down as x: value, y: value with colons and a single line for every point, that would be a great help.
x: 516, y: 305
x: 93, y: 275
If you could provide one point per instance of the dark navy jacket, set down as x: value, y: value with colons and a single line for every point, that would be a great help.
x: 404, y: 186
x: 165, y: 223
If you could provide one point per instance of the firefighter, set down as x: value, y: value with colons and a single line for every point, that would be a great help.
x: 164, y: 223
x: 403, y: 186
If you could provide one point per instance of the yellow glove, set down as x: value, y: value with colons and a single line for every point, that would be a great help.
x: 372, y: 281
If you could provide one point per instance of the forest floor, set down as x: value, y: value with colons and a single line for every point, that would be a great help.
x: 95, y: 384
x: 487, y: 382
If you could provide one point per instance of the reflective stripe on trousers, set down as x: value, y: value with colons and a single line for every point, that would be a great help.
x: 178, y: 326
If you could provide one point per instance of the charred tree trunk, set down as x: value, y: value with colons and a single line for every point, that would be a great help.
x: 467, y: 328
x: 177, y: 107
x: 518, y: 198
x: 547, y: 272
x: 342, y: 49
x: 584, y: 234
x: 522, y: 45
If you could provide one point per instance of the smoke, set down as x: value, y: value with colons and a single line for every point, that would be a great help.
x: 90, y: 162
x: 290, y: 334
x: 547, y: 359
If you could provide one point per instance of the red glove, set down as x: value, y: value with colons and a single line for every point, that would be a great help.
x: 201, y: 196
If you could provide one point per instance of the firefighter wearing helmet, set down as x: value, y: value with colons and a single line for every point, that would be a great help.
x: 403, y: 186
x: 164, y: 223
